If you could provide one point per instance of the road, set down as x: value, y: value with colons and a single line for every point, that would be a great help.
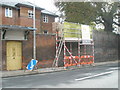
x: 105, y: 76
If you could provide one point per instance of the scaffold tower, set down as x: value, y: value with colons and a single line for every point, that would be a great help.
x: 77, y: 44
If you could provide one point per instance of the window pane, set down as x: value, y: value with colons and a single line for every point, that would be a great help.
x: 6, y: 12
x: 10, y: 12
x: 45, y: 31
x: 30, y: 13
x: 45, y: 18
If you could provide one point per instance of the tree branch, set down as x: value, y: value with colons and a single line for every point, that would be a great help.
x: 98, y: 21
x: 118, y: 24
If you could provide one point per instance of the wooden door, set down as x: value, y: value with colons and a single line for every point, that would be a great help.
x: 14, y: 55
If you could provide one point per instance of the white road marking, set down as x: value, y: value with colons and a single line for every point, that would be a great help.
x: 79, y: 79
x: 115, y: 68
x: 88, y: 74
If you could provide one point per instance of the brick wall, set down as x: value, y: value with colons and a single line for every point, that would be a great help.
x: 45, y: 46
x: 10, y: 21
x: 106, y: 48
x: 0, y: 53
x: 4, y: 54
x: 27, y: 48
x: 28, y: 22
x: 0, y: 15
x: 45, y: 43
x: 48, y: 26
x: 21, y: 19
x: 45, y: 49
x: 51, y: 19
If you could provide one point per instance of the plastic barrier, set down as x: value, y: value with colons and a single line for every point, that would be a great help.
x: 85, y: 59
x: 70, y: 62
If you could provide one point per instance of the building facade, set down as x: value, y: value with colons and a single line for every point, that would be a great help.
x: 16, y: 31
x: 47, y: 21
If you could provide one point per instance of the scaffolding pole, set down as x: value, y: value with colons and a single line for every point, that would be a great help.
x: 93, y: 51
x: 70, y: 47
x: 64, y: 54
x: 70, y: 54
x: 79, y: 47
x: 84, y: 49
x: 58, y: 53
x: 58, y: 50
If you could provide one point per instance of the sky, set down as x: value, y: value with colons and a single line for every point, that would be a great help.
x: 47, y: 4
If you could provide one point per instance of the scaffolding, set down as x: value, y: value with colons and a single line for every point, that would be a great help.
x: 85, y: 48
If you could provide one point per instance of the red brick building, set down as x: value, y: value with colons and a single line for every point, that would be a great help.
x: 47, y: 19
x: 16, y: 26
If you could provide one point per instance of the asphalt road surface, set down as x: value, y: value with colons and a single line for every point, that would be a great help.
x: 104, y: 76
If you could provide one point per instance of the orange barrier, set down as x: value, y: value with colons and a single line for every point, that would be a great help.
x: 70, y: 62
x: 85, y: 59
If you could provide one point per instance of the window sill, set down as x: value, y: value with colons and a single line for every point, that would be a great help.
x: 8, y: 17
x: 45, y: 22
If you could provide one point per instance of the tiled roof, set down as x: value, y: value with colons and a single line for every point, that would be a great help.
x: 49, y: 13
x: 13, y: 3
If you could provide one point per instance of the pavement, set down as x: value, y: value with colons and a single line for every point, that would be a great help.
x: 5, y: 74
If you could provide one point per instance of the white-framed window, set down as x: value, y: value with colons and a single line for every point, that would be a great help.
x: 45, y: 18
x: 8, y: 12
x: 30, y: 13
